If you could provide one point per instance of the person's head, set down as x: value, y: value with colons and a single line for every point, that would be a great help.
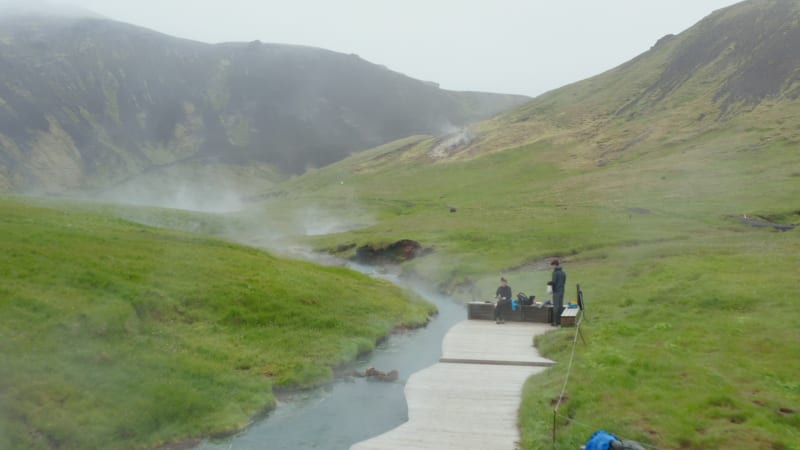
x: 503, y: 282
x: 554, y: 263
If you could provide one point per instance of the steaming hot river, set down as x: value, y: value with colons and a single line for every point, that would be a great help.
x: 350, y: 410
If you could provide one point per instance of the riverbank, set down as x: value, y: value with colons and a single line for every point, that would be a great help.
x: 351, y: 409
x: 117, y: 335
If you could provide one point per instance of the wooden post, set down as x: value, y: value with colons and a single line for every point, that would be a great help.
x: 581, y: 303
x: 582, y: 309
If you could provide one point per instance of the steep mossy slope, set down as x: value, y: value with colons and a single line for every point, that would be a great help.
x: 90, y: 102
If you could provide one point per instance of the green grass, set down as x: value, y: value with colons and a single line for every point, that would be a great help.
x: 692, y: 341
x: 693, y: 330
x: 689, y: 345
x: 119, y: 335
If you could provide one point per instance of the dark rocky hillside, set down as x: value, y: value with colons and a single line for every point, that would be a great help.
x: 89, y: 102
x: 734, y: 76
x: 752, y: 47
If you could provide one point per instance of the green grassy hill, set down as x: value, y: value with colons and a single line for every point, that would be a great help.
x: 115, y: 335
x: 643, y: 180
x: 698, y: 151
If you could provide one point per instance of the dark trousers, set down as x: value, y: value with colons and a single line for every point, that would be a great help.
x: 558, y: 307
x: 501, y: 308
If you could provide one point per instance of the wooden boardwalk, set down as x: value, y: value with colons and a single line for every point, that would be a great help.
x: 470, y: 399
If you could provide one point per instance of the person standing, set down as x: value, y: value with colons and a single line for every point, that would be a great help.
x: 558, y: 282
x: 503, y: 296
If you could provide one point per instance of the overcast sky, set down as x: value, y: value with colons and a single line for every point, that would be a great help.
x: 516, y: 46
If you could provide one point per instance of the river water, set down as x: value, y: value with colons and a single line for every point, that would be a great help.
x: 350, y: 410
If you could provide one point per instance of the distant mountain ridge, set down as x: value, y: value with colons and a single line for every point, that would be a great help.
x: 87, y: 102
x: 738, y: 67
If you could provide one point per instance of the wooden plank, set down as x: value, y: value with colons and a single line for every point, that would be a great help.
x: 570, y: 312
x: 458, y: 406
x: 511, y: 343
x: 480, y: 311
x: 524, y: 313
x: 468, y: 406
x: 496, y: 363
x: 569, y: 317
x: 540, y: 314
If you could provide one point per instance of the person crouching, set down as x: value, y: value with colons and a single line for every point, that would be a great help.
x: 503, y: 297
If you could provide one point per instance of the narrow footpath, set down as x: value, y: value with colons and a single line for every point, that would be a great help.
x: 470, y: 399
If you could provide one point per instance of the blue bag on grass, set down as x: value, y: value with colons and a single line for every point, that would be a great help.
x: 600, y: 440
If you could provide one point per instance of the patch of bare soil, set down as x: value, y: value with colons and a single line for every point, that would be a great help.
x: 397, y: 252
x: 759, y: 222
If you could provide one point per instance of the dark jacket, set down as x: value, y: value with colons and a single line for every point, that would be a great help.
x: 559, y: 280
x: 503, y: 291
